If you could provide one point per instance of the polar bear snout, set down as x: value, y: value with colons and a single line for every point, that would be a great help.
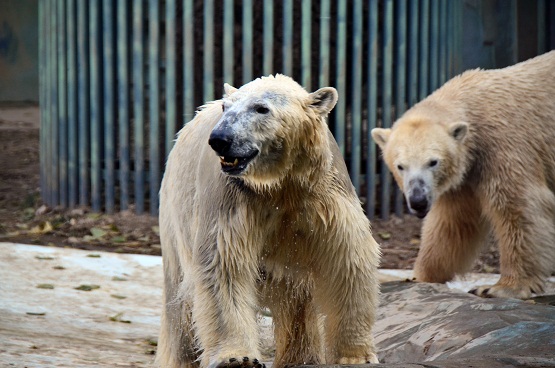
x: 220, y: 142
x: 234, y: 154
x: 418, y: 199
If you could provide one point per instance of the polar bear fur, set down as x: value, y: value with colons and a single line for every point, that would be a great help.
x: 283, y: 230
x: 479, y: 155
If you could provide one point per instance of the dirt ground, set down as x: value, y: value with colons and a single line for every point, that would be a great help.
x: 25, y: 219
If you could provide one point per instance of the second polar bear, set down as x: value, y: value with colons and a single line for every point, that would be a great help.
x: 479, y: 154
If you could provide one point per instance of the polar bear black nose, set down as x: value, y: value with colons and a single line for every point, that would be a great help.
x: 418, y: 201
x: 220, y: 143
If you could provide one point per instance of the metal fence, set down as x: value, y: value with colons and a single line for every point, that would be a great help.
x: 119, y: 78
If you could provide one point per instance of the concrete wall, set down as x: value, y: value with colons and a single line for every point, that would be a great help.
x: 19, y: 55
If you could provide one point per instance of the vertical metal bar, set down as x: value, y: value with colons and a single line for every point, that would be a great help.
x: 400, y: 78
x: 372, y: 104
x: 229, y: 31
x: 47, y: 127
x: 109, y: 106
x: 453, y: 39
x: 434, y: 46
x: 170, y: 76
x: 123, y: 101
x: 95, y: 103
x: 54, y: 198
x: 188, y: 60
x: 306, y: 46
x: 341, y: 75
x: 154, y: 103
x: 412, y: 71
x: 325, y: 24
x: 43, y: 29
x: 84, y: 110
x: 62, y: 104
x: 288, y: 37
x: 138, y: 100
x: 387, y: 98
x: 356, y: 93
x: 72, y: 103
x: 443, y: 32
x: 542, y: 28
x: 247, y: 41
x: 424, y: 48
x: 268, y: 61
x: 208, y: 54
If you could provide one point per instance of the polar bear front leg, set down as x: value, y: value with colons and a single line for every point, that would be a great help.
x: 348, y: 294
x: 224, y: 314
x: 452, y: 234
x: 525, y: 230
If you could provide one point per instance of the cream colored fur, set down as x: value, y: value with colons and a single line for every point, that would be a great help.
x: 497, y: 174
x: 290, y: 235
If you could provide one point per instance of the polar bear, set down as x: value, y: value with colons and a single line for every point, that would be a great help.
x: 257, y: 210
x: 478, y: 155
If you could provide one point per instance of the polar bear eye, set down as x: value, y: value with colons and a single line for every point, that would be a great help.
x: 400, y: 168
x: 262, y: 109
x: 432, y: 163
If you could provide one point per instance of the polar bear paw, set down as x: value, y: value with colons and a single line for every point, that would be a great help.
x: 372, y: 358
x: 502, y: 291
x: 244, y: 362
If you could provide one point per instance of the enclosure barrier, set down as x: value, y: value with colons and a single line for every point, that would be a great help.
x: 120, y: 78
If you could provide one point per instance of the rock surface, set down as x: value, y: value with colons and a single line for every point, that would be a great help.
x: 444, y: 328
x: 46, y: 322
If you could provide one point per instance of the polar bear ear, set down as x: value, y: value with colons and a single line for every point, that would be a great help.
x: 323, y: 100
x: 229, y: 90
x: 458, y: 130
x: 381, y: 136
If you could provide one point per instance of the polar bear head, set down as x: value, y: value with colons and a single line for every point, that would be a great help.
x: 427, y: 153
x: 272, y: 128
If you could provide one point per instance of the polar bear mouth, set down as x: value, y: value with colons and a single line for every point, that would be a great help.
x: 236, y: 165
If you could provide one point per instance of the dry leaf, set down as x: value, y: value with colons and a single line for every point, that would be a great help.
x: 85, y: 287
x: 385, y: 235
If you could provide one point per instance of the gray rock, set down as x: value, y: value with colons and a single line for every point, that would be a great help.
x: 432, y: 326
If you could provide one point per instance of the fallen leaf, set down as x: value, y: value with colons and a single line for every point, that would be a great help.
x: 98, y: 233
x: 44, y: 258
x: 119, y: 239
x: 94, y: 255
x: 85, y: 287
x: 117, y: 318
x: 94, y: 216
x: 117, y: 278
x: 118, y: 296
x: 385, y: 235
x: 45, y: 286
x: 44, y: 228
x: 415, y: 241
x: 59, y: 267
x: 36, y: 313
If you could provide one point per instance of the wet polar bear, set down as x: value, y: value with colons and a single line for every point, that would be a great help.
x: 479, y: 154
x: 265, y: 215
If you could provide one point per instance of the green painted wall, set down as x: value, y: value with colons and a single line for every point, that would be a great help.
x: 19, y: 64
